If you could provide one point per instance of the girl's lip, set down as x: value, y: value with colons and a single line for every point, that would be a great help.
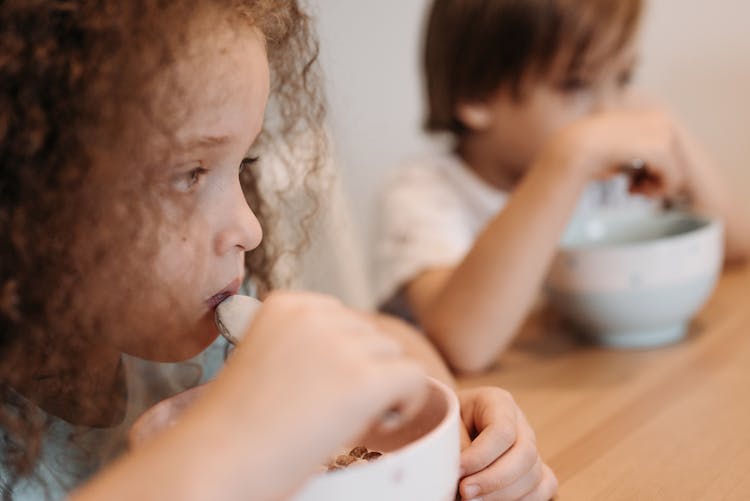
x: 229, y: 290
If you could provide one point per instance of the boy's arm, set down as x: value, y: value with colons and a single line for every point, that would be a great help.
x: 710, y: 194
x: 472, y: 310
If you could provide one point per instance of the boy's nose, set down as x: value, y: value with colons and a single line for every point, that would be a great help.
x: 608, y: 97
x: 241, y: 230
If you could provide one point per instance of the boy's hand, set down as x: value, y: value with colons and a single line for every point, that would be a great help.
x: 502, y: 462
x: 606, y: 143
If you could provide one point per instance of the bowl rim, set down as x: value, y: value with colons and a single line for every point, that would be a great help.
x: 710, y: 224
x: 452, y: 412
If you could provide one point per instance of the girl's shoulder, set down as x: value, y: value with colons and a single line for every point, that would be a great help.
x: 71, y: 454
x: 65, y: 461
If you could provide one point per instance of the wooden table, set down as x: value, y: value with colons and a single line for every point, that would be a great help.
x: 666, y: 424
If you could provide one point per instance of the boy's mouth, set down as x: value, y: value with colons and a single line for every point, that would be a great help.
x: 230, y: 290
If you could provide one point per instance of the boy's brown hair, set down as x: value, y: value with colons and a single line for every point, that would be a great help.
x: 475, y: 47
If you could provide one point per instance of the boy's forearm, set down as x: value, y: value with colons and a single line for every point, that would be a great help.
x: 715, y: 198
x: 485, y: 299
x: 711, y: 194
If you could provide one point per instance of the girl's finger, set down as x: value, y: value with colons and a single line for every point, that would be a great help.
x: 492, y: 442
x: 465, y: 440
x: 521, y: 487
x: 506, y: 470
x: 400, y: 391
x: 375, y: 344
x: 546, y: 489
x: 353, y: 329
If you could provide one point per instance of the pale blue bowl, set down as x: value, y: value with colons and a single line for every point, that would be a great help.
x: 636, y: 280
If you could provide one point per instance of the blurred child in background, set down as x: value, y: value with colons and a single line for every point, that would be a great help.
x: 535, y: 98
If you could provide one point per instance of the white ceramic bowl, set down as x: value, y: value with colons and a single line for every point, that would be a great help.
x: 636, y: 280
x: 420, y: 461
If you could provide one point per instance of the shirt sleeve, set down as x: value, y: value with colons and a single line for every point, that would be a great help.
x: 423, y: 226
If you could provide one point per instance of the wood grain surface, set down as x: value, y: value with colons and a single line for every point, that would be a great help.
x: 665, y: 424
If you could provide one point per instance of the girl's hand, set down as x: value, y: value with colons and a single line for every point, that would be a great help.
x: 502, y: 462
x: 312, y: 376
x: 308, y: 378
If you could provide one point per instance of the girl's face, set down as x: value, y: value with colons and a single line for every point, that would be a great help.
x: 514, y: 131
x: 207, y: 224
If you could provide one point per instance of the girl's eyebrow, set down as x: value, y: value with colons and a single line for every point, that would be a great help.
x: 205, y: 142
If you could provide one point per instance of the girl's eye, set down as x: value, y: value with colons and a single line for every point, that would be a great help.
x: 188, y: 180
x: 247, y: 162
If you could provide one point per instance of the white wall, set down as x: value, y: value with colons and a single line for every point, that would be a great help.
x: 696, y: 58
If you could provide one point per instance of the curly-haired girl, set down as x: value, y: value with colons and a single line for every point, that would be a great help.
x: 128, y: 136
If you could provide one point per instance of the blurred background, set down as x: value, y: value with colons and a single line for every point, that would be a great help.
x: 695, y: 59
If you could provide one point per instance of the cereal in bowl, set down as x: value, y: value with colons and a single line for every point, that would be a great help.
x: 358, y: 455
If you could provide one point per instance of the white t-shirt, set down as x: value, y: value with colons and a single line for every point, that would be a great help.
x: 72, y: 454
x: 435, y: 207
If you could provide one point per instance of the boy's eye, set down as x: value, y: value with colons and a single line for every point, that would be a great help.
x: 188, y: 180
x: 247, y: 162
x: 574, y: 84
x: 625, y: 78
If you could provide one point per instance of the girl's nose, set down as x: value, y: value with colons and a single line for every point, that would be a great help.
x: 241, y: 230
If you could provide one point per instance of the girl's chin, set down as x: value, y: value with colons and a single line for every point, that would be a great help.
x: 199, y: 338
x: 176, y: 347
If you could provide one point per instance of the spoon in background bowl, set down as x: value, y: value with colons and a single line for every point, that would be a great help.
x: 640, y: 174
x: 637, y: 171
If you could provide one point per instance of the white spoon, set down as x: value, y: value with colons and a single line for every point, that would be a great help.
x: 233, y: 316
